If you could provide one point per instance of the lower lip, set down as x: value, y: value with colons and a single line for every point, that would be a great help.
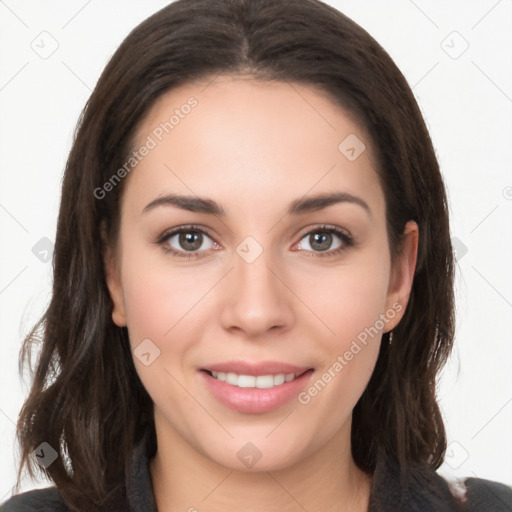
x: 255, y: 400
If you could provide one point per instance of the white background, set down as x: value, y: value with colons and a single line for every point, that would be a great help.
x: 465, y: 96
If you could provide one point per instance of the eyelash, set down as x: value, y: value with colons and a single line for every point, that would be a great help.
x: 347, y: 241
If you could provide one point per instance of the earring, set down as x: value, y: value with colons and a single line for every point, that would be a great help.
x: 390, y: 337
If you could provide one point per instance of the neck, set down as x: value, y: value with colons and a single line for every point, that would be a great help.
x: 328, y: 480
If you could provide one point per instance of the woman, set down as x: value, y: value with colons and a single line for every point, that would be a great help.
x: 253, y: 279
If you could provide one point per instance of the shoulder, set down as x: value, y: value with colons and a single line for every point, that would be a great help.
x: 481, y: 495
x: 40, y: 500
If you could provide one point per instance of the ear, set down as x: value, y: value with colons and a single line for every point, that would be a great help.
x: 402, y: 274
x: 113, y: 279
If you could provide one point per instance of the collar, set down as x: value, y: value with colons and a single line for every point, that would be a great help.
x: 424, y: 490
x: 139, y: 487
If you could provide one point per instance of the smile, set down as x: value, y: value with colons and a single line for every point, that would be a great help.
x: 255, y: 388
x: 253, y: 381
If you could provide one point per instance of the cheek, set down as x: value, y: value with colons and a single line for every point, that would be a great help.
x: 159, y: 301
x: 353, y: 308
x: 348, y: 356
x: 347, y: 299
x: 162, y: 304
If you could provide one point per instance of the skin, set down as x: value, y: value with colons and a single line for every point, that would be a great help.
x: 254, y: 147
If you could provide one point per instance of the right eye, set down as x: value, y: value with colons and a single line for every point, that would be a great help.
x: 185, y: 241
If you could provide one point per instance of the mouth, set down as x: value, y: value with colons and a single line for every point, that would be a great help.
x: 256, y: 381
x: 255, y: 388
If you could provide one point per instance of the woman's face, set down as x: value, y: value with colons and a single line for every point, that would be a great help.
x: 262, y: 290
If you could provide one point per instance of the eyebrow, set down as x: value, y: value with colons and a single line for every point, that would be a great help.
x: 297, y: 207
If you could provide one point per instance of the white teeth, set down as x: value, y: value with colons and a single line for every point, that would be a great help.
x: 231, y: 378
x: 251, y: 381
x: 246, y: 381
x: 265, y: 381
x: 279, y: 379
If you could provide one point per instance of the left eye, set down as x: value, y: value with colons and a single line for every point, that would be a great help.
x: 321, y: 239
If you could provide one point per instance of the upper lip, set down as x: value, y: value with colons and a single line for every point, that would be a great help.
x: 256, y: 368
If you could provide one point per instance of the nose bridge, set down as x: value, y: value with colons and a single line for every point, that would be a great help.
x: 254, y: 279
x: 257, y: 299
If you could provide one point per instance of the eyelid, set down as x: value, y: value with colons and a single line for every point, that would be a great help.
x: 323, y: 227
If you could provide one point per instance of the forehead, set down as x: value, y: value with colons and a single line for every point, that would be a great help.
x: 246, y: 139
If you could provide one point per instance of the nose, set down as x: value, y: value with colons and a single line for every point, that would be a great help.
x: 256, y: 298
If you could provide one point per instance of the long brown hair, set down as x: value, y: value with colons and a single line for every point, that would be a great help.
x: 86, y: 399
